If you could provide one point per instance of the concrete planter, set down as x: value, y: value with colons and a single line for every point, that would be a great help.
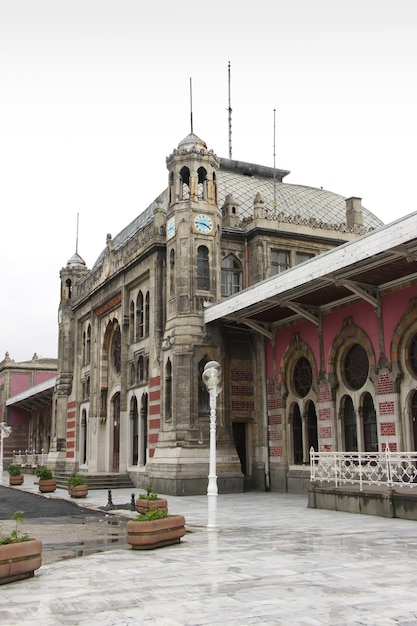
x: 47, y: 485
x: 143, y: 505
x: 155, y: 534
x: 19, y: 560
x: 78, y: 491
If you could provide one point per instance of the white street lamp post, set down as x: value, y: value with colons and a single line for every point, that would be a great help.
x: 211, y: 378
x: 5, y: 431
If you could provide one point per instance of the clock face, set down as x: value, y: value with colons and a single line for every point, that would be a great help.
x: 170, y: 228
x: 203, y: 223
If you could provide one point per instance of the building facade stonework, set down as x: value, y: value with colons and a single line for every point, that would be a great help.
x: 133, y: 341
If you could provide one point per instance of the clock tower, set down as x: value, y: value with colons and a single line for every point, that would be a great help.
x: 193, y: 280
x: 193, y: 231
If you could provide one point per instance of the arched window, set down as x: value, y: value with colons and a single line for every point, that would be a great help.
x: 84, y: 349
x: 146, y: 331
x: 135, y: 429
x: 132, y: 373
x: 140, y: 369
x: 168, y: 391
x: 356, y: 366
x: 313, y: 441
x: 132, y: 322
x: 202, y: 183
x: 139, y: 316
x: 143, y: 429
x: 172, y: 272
x: 297, y: 435
x: 68, y: 286
x: 185, y: 183
x: 370, y: 431
x: 302, y: 377
x: 116, y: 431
x: 203, y: 277
x: 83, y: 438
x: 215, y: 187
x: 171, y: 186
x: 88, y: 345
x: 349, y: 425
x: 116, y: 350
x: 231, y: 275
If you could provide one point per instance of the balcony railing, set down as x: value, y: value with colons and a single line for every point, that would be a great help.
x: 30, y: 459
x: 388, y: 468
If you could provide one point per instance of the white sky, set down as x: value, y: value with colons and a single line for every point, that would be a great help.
x: 94, y: 94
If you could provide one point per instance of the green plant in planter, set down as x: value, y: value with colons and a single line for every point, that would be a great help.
x: 14, y: 469
x: 44, y: 473
x: 151, y: 516
x: 16, y: 536
x: 75, y: 479
x: 149, y: 495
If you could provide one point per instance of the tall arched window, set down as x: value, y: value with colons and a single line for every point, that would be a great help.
x: 203, y: 272
x: 297, y: 435
x: 313, y: 440
x: 84, y: 349
x: 139, y: 316
x: 370, y: 430
x: 202, y: 183
x: 231, y: 275
x: 172, y: 272
x: 349, y: 425
x: 88, y: 345
x: 135, y: 429
x: 146, y: 330
x: 185, y: 183
x: 168, y: 390
x: 84, y: 438
x: 143, y: 429
x: 132, y: 322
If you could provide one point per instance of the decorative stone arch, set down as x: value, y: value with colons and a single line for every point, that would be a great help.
x: 296, y: 349
x: 109, y: 326
x: 404, y: 331
x: 349, y: 334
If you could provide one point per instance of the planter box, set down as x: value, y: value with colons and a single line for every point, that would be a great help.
x: 16, y: 480
x: 46, y: 485
x: 160, y: 532
x: 78, y: 491
x: 143, y: 505
x: 19, y: 560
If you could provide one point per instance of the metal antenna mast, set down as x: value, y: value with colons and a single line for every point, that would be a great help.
x: 76, y: 239
x: 275, y: 188
x: 230, y: 117
x: 191, y: 105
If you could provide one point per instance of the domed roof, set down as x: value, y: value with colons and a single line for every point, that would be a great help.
x: 296, y: 204
x: 192, y: 141
x: 75, y: 260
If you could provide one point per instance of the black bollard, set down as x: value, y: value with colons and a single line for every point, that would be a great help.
x: 132, y: 502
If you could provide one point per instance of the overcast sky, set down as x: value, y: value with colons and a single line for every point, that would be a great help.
x: 94, y: 94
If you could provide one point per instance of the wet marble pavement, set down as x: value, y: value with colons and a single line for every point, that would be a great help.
x: 270, y: 561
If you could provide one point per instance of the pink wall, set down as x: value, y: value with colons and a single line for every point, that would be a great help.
x: 20, y: 382
x: 40, y: 377
x: 394, y: 306
x: 363, y: 315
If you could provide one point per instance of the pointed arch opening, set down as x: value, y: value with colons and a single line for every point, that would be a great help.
x: 134, y: 430
x: 202, y: 183
x: 168, y: 391
x: 203, y: 268
x: 185, y: 183
x: 349, y: 426
x: 297, y: 434
x: 143, y: 434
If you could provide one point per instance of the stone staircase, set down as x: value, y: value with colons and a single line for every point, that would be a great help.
x: 97, y: 481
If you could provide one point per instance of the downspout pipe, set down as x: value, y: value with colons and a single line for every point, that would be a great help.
x: 265, y: 416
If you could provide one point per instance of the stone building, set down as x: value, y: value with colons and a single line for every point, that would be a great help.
x: 26, y: 389
x: 340, y: 348
x: 133, y: 342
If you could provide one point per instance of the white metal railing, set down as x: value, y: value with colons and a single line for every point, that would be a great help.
x: 364, y: 468
x: 30, y: 459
